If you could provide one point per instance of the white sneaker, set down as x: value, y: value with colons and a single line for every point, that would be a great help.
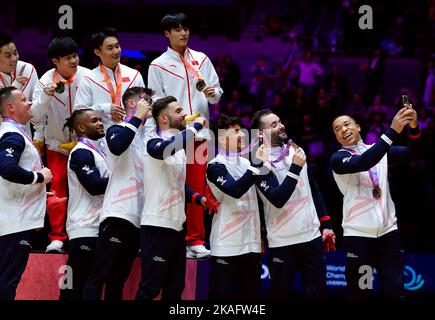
x: 55, y: 246
x: 197, y: 252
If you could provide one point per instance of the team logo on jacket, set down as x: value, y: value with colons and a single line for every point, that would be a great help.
x: 113, y: 136
x: 87, y: 169
x: 264, y: 185
x: 9, y: 152
x: 347, y: 159
x: 221, y: 180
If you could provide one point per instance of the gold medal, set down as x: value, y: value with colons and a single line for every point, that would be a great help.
x: 60, y: 87
x: 200, y: 85
x: 377, y: 192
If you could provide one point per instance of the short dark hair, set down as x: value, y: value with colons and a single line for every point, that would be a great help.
x: 224, y: 122
x: 71, y: 122
x: 256, y: 118
x: 161, y: 104
x: 5, y: 39
x: 5, y: 94
x: 98, y: 38
x: 135, y: 91
x: 343, y: 115
x: 61, y: 47
x: 173, y: 21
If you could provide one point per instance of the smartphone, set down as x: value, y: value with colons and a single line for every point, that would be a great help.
x: 405, y: 100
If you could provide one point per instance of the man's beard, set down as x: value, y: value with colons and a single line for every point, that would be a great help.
x: 96, y: 136
x: 179, y: 125
x: 279, y: 139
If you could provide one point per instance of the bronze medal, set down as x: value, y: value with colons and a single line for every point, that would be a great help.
x: 377, y: 192
x: 60, y: 87
x: 200, y: 85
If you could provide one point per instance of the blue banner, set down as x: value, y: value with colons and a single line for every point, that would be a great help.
x: 419, y: 276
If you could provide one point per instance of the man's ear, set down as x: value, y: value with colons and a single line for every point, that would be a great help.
x: 97, y: 52
x: 163, y: 118
x: 129, y: 105
x: 55, y: 61
x: 167, y: 33
x: 80, y: 128
x: 9, y: 108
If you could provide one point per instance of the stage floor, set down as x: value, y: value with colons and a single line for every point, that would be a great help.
x: 40, y: 280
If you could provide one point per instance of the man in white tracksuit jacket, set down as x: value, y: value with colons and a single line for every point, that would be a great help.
x: 371, y: 237
x: 14, y: 72
x: 163, y: 249
x: 235, y: 238
x: 87, y: 181
x: 103, y: 88
x: 298, y: 226
x: 190, y: 77
x: 50, y: 110
x: 22, y: 189
x: 118, y: 239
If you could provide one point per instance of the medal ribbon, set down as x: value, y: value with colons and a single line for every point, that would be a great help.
x: 116, y: 96
x: 91, y: 145
x: 70, y: 81
x: 55, y: 73
x: 6, y: 119
x: 191, y: 69
x: 373, y: 172
x: 284, y: 153
x: 246, y: 150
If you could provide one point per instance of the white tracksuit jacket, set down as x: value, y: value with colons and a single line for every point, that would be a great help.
x: 167, y: 76
x: 51, y: 112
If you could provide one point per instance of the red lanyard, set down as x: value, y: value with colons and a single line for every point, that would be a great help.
x: 116, y: 97
x: 70, y: 81
x: 55, y: 73
x: 196, y: 74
